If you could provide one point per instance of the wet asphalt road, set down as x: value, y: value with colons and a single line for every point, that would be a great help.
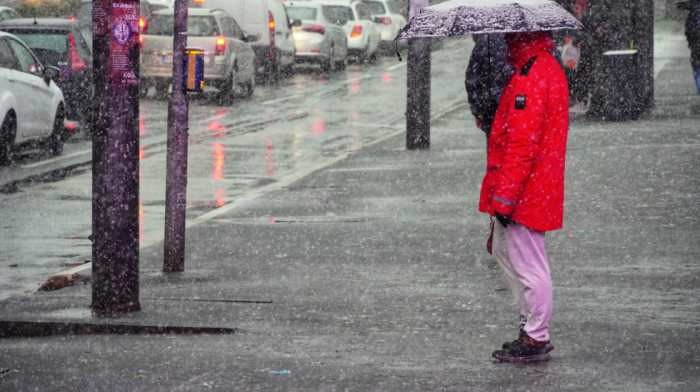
x: 304, y: 120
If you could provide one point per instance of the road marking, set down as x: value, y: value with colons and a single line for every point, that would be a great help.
x: 396, y: 66
x: 57, y: 159
x: 214, y: 214
x: 296, y: 96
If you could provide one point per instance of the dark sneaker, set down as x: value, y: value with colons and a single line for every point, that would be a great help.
x: 523, y: 351
x: 507, y: 345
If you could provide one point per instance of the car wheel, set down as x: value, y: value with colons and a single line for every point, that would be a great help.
x: 54, y: 144
x: 8, y: 131
x: 249, y: 87
x: 329, y: 65
x: 342, y: 64
x: 162, y: 89
x: 227, y: 89
x: 273, y: 73
x: 144, y: 86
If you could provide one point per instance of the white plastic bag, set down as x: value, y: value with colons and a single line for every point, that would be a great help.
x: 570, y: 54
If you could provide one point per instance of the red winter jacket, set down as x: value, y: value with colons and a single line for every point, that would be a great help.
x: 527, y: 146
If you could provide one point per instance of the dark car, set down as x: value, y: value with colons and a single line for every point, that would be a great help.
x: 58, y: 42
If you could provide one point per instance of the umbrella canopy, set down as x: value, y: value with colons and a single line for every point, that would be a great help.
x: 460, y: 17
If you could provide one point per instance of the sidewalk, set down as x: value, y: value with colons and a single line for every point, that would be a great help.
x: 372, y: 275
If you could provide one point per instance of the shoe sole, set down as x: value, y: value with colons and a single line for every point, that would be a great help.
x: 549, y: 347
x: 530, y: 358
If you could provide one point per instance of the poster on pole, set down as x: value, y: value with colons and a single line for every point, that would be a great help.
x: 123, y: 35
x: 100, y: 21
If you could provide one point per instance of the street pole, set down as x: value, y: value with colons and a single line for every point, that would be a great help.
x: 418, y: 88
x: 115, y: 192
x: 176, y: 167
x: 643, y: 22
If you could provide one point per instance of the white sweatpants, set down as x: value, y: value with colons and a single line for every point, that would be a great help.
x: 520, y: 253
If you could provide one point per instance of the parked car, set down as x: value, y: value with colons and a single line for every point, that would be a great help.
x: 58, y: 43
x: 268, y: 21
x: 363, y: 34
x: 319, y: 38
x: 31, y: 104
x: 228, y: 57
x: 388, y: 18
x: 8, y: 13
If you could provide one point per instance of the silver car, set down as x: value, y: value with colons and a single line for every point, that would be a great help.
x: 388, y: 18
x: 363, y: 33
x: 228, y: 56
x: 319, y: 38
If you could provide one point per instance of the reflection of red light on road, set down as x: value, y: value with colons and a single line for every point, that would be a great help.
x: 318, y: 126
x: 272, y: 220
x: 141, y: 151
x: 142, y: 126
x: 355, y: 115
x: 219, y: 161
x: 141, y: 219
x: 357, y: 143
x: 386, y: 77
x: 356, y: 86
x: 216, y: 126
x: 219, y: 197
x: 269, y: 161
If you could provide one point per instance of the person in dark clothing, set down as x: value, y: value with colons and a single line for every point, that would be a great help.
x: 486, y: 77
x: 692, y: 34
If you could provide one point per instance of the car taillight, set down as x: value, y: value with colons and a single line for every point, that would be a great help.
x: 356, y: 31
x: 77, y: 63
x: 315, y: 29
x: 142, y: 25
x: 385, y: 20
x: 272, y: 28
x: 220, y: 46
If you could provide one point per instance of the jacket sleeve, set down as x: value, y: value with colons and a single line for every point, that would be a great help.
x: 525, y: 120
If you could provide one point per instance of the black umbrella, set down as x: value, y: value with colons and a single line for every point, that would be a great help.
x: 460, y: 17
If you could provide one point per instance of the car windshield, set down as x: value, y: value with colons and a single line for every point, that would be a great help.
x: 197, y: 25
x: 376, y: 7
x: 303, y: 13
x: 340, y: 13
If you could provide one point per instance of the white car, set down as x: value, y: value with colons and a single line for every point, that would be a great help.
x: 363, y: 33
x: 228, y: 56
x: 388, y: 18
x: 31, y: 104
x: 7, y: 13
x: 318, y: 38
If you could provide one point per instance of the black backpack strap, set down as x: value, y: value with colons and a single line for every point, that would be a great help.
x: 525, y: 70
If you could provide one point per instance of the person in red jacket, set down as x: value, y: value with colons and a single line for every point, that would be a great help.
x: 524, y: 185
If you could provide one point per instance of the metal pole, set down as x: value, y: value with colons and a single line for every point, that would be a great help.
x: 115, y: 228
x: 418, y: 87
x: 176, y: 175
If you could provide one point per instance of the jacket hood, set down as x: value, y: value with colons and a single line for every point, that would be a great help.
x: 523, y: 46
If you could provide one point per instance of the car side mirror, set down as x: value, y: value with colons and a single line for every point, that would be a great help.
x: 250, y: 38
x: 296, y: 22
x: 51, y: 73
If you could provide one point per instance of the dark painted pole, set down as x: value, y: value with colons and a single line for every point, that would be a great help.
x: 418, y: 90
x: 115, y: 194
x: 643, y: 21
x: 176, y: 168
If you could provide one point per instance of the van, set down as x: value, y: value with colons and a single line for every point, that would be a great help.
x: 268, y: 21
